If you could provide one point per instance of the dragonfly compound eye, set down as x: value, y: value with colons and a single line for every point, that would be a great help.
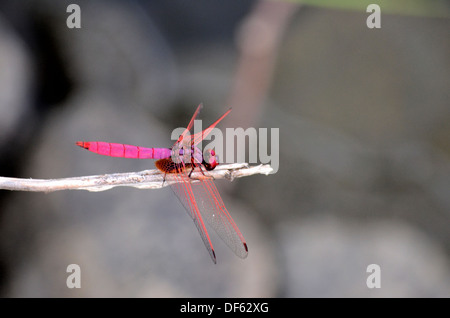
x: 210, y: 159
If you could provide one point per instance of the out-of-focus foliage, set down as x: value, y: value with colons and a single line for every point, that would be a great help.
x: 432, y: 8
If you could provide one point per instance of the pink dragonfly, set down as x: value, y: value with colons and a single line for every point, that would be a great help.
x: 200, y: 199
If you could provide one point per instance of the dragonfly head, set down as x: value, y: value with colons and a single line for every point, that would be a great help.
x: 210, y: 159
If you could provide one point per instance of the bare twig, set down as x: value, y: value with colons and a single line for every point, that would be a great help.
x: 147, y: 179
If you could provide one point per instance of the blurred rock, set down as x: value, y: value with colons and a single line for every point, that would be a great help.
x: 117, y: 51
x: 351, y: 137
x: 353, y: 145
x: 16, y: 85
x: 326, y: 257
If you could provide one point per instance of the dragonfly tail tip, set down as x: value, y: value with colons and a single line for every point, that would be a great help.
x: 82, y: 144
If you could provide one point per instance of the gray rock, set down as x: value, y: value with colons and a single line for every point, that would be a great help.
x: 327, y: 257
x: 16, y: 86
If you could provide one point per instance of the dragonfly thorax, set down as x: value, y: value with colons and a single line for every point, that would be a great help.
x: 182, y: 154
x: 185, y: 154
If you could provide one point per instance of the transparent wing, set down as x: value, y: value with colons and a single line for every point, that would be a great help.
x: 191, y: 123
x: 216, y: 214
x: 196, y: 138
x: 183, y: 190
x: 202, y: 201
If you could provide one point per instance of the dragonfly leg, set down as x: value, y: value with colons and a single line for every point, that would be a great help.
x: 192, y: 170
x: 164, y: 178
x: 201, y: 170
x: 195, y: 164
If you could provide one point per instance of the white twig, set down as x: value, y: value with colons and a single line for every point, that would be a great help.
x: 147, y: 179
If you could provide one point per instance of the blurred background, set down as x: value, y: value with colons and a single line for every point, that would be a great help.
x: 364, y: 119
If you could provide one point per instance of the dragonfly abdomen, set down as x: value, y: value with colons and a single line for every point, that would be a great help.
x: 168, y: 166
x: 124, y: 151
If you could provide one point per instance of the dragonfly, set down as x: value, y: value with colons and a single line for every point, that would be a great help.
x: 200, y: 199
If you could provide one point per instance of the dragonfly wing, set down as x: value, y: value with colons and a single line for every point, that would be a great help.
x: 183, y: 190
x: 191, y: 123
x: 213, y: 209
x: 196, y: 138
x: 197, y: 111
